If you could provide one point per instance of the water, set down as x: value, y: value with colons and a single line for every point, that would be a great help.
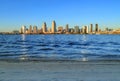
x: 59, y: 47
x: 59, y: 57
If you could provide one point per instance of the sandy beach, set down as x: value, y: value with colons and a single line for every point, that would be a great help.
x: 60, y: 71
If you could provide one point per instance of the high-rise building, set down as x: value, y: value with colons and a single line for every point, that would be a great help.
x: 96, y: 28
x: 53, y: 27
x: 91, y: 28
x: 30, y: 29
x: 84, y: 31
x: 76, y: 29
x: 35, y: 29
x: 60, y: 29
x: 23, y: 29
x: 87, y: 29
x: 44, y: 27
x: 67, y: 28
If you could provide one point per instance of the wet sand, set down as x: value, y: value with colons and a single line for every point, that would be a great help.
x: 60, y: 71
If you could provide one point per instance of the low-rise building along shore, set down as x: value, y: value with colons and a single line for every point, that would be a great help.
x: 46, y: 33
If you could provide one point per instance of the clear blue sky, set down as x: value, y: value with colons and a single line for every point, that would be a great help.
x: 15, y: 13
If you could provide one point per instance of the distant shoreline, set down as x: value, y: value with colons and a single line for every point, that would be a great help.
x: 61, y: 34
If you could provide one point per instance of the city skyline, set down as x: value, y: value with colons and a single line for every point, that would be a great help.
x: 60, y: 29
x: 15, y: 13
x: 54, y: 29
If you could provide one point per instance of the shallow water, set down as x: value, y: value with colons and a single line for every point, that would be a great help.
x: 60, y: 71
x: 59, y: 47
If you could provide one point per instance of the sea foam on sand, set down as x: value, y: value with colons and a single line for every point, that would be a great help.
x: 60, y: 71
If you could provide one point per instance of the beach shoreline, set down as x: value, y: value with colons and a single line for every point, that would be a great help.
x: 60, y: 71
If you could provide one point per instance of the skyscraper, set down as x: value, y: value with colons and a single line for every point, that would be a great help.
x: 87, y: 29
x: 91, y: 28
x: 67, y: 28
x: 84, y: 31
x: 44, y: 27
x: 30, y: 29
x: 23, y: 29
x: 53, y: 27
x: 96, y: 28
x: 35, y: 30
x: 76, y: 29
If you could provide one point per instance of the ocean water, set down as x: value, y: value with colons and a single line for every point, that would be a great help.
x: 59, y: 47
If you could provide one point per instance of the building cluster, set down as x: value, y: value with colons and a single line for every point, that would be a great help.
x: 60, y: 30
x: 90, y: 29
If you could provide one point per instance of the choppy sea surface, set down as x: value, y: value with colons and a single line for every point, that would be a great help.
x: 59, y: 47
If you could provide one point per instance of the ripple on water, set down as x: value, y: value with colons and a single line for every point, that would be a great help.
x: 2, y: 42
x: 73, y: 43
x: 110, y: 56
x: 64, y: 45
x: 55, y: 45
x: 41, y: 45
x: 46, y: 49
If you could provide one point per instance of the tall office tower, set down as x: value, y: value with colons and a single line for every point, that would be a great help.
x: 96, y: 28
x: 84, y: 30
x: 67, y: 28
x: 23, y: 29
x: 30, y: 29
x: 35, y: 29
x: 53, y: 27
x: 91, y: 28
x: 44, y: 27
x: 76, y: 29
x: 87, y: 29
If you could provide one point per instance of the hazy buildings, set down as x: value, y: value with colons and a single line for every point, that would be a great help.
x: 49, y: 30
x: 30, y: 29
x: 35, y: 30
x: 44, y: 27
x: 53, y: 27
x: 76, y: 29
x: 67, y: 28
x: 15, y: 32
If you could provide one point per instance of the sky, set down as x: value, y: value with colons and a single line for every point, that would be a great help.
x: 15, y: 13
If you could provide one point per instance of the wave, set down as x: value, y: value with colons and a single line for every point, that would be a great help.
x: 65, y: 59
x: 60, y: 47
